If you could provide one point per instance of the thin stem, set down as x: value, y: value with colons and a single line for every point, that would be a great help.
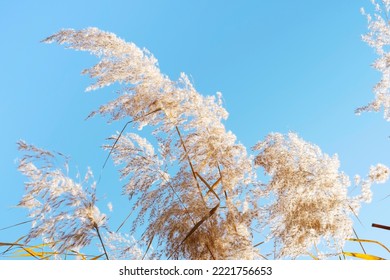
x: 18, y: 224
x: 361, y: 245
x: 101, y: 240
x: 190, y: 163
x: 121, y: 225
x: 211, y: 253
x: 258, y: 244
x: 120, y: 134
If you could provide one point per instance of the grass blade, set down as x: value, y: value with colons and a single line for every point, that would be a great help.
x: 211, y: 189
x: 312, y: 256
x: 97, y: 257
x: 198, y: 224
x: 30, y: 252
x: 147, y: 249
x: 79, y: 255
x: 11, y: 245
x: 195, y: 227
x: 369, y: 241
x: 362, y: 256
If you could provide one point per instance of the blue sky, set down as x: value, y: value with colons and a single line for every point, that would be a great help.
x: 281, y: 65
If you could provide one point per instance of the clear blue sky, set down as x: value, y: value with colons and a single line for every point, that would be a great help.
x: 281, y: 65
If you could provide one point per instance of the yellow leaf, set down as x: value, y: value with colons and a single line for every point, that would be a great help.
x: 79, y: 254
x: 97, y: 257
x: 33, y: 253
x: 362, y: 256
x: 312, y: 256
